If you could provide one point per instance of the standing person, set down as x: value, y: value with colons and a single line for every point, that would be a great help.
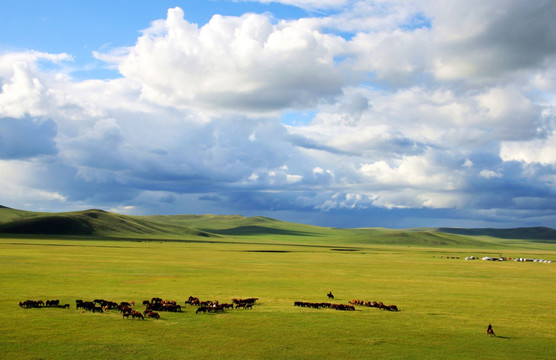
x: 490, y: 331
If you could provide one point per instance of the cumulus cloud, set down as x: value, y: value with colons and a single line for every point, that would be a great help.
x: 475, y: 42
x: 243, y: 63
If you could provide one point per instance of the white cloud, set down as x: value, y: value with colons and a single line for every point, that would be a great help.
x: 241, y: 63
x: 291, y: 179
x: 411, y: 171
x: 542, y: 151
x: 489, y: 174
x: 22, y: 94
x: 417, y: 199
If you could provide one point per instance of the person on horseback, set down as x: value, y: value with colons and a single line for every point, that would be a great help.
x: 490, y: 331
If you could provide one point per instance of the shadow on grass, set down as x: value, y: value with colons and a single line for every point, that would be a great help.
x: 257, y: 230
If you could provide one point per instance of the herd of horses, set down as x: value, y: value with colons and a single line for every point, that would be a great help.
x: 156, y: 305
x: 39, y: 303
x: 152, y: 307
x: 348, y: 307
x: 323, y: 305
x: 379, y: 305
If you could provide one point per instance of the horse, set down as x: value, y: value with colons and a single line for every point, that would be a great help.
x: 152, y: 314
x: 135, y: 314
x: 201, y: 309
x: 52, y: 303
x: 193, y: 301
x: 88, y: 305
x: 330, y: 296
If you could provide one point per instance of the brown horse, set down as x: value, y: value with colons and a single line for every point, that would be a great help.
x: 135, y: 314
x: 152, y: 314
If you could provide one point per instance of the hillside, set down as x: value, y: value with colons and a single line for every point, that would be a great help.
x: 96, y: 223
x: 88, y: 223
x: 530, y: 233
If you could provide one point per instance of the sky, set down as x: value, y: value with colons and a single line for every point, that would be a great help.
x: 341, y: 113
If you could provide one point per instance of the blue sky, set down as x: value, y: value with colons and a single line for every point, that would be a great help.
x: 345, y: 113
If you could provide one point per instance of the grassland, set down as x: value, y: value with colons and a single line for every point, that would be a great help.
x: 445, y: 304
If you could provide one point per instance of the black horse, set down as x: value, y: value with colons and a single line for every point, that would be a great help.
x: 330, y: 296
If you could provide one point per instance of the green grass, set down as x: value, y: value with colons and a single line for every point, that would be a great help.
x: 446, y: 304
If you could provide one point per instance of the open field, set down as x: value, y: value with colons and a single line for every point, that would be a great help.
x: 445, y: 304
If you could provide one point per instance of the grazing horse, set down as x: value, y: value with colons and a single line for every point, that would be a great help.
x: 52, y: 302
x: 88, y: 305
x: 201, y: 309
x: 152, y: 314
x: 330, y: 296
x: 136, y: 314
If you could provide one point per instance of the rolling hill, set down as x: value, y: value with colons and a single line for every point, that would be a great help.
x: 96, y: 223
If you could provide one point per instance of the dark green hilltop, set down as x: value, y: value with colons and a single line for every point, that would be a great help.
x: 101, y: 224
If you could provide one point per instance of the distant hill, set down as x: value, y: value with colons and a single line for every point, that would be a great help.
x: 95, y: 223
x: 528, y: 233
x: 91, y: 222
